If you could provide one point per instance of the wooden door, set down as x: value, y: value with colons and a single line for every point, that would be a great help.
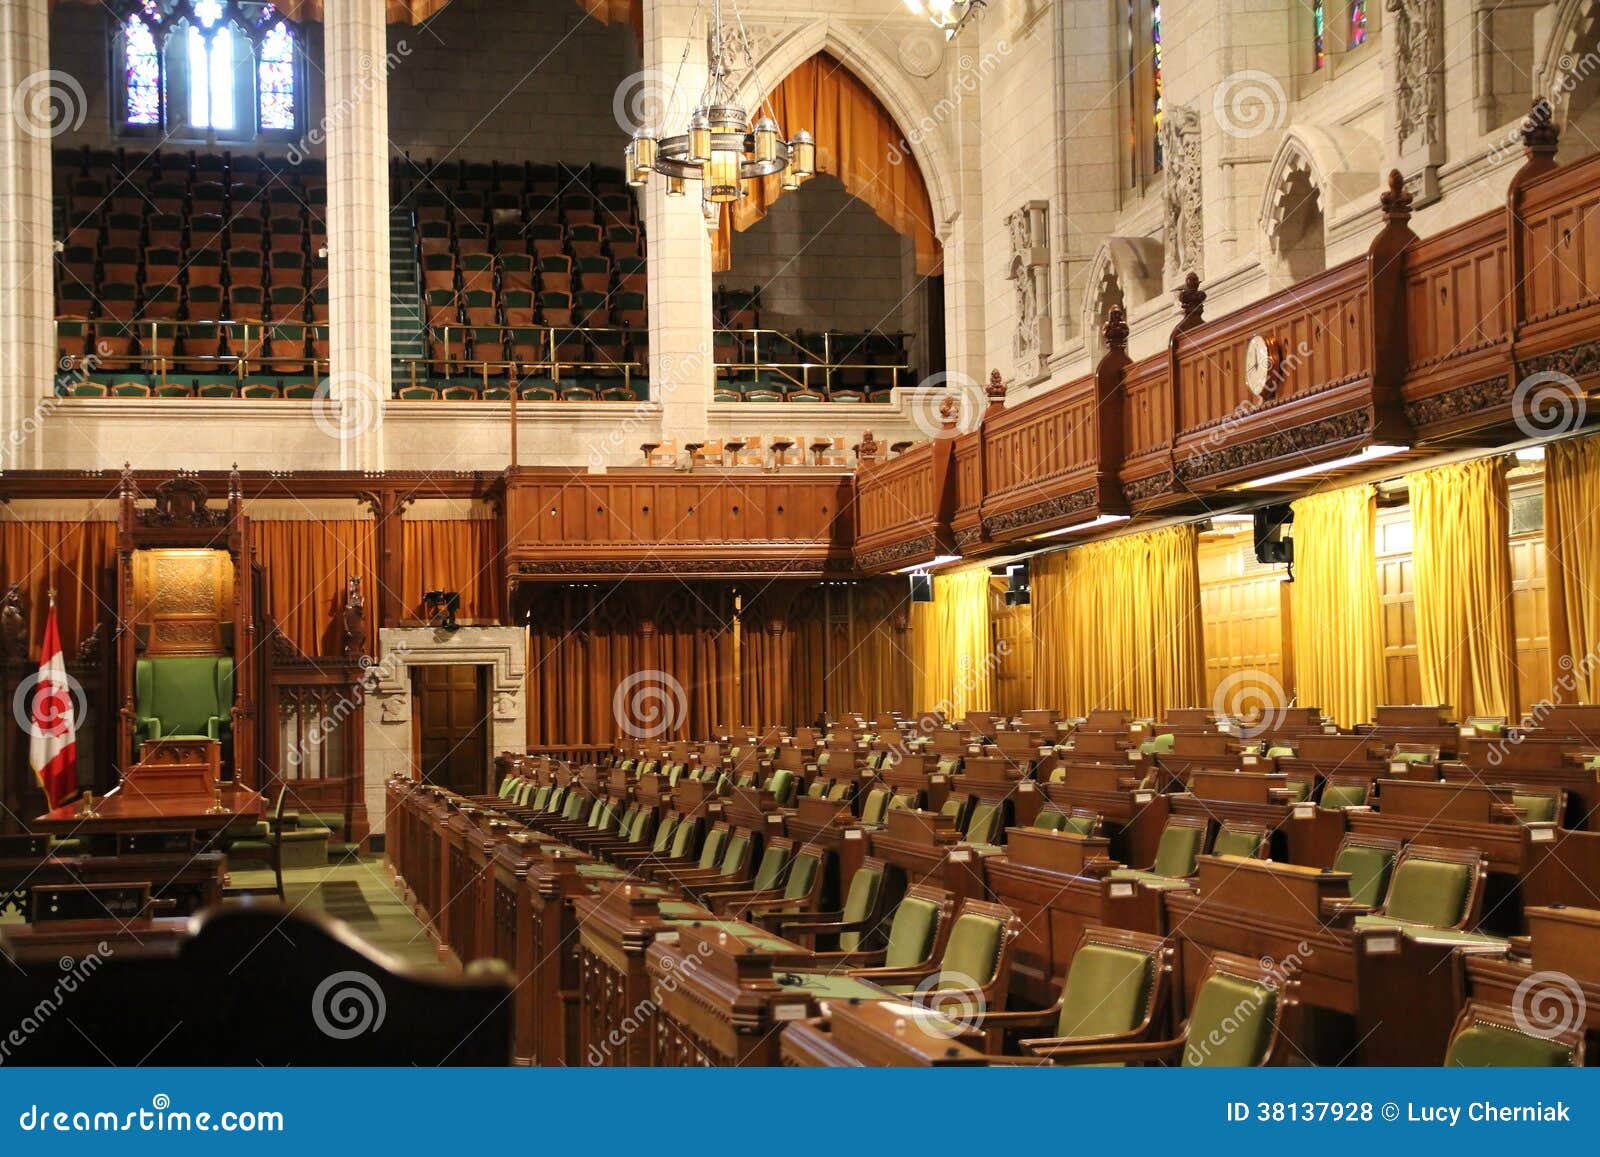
x: 452, y: 706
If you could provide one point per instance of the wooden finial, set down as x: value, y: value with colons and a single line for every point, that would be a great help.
x: 1115, y: 330
x: 1540, y: 133
x: 1396, y: 198
x: 996, y: 388
x: 1192, y: 299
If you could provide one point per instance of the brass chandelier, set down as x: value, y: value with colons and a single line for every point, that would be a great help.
x: 720, y: 147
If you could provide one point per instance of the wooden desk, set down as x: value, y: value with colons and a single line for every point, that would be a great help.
x: 192, y: 881
x: 1134, y: 819
x: 615, y: 931
x: 124, y: 810
x: 1410, y: 985
x: 1270, y: 911
x: 1052, y: 882
x: 719, y: 1003
x: 867, y: 1033
x: 42, y: 945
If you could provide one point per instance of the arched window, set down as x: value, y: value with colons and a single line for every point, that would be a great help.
x: 1145, y: 106
x: 1319, y: 35
x: 207, y: 70
x: 1358, y: 23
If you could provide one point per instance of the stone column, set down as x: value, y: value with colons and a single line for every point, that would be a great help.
x: 36, y: 105
x: 682, y: 364
x: 358, y: 231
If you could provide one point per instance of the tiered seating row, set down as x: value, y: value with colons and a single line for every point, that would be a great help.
x: 1328, y: 877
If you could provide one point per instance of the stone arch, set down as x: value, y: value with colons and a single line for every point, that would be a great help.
x: 1124, y: 271
x: 1293, y: 216
x: 884, y: 78
x: 1567, y: 74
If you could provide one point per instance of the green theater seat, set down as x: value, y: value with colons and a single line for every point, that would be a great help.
x: 183, y: 698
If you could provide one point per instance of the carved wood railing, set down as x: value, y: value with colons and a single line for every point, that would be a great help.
x: 1417, y: 343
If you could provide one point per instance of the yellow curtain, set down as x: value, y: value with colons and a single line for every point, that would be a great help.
x: 858, y: 142
x: 453, y: 554
x: 1117, y: 624
x: 1572, y: 546
x: 1338, y: 635
x: 304, y: 566
x: 1466, y: 648
x: 396, y: 11
x: 952, y: 655
x: 78, y: 559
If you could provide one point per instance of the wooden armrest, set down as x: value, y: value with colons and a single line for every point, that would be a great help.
x: 895, y: 975
x: 1129, y: 1052
x: 1342, y: 913
x: 818, y: 961
x: 1023, y: 1018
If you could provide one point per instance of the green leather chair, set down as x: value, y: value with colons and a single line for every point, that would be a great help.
x: 1341, y: 793
x: 1239, y: 839
x: 1438, y: 888
x: 1488, y: 1035
x: 1235, y: 1020
x: 1116, y: 989
x: 975, y: 960
x: 1370, y: 862
x: 857, y: 925
x: 1177, y: 855
x: 183, y: 698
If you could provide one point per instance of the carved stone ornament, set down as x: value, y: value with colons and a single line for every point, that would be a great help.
x: 1028, y: 269
x: 1181, y: 198
x: 1415, y: 30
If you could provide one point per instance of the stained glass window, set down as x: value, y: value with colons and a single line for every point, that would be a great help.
x: 1358, y: 23
x: 141, y: 73
x: 1155, y: 75
x: 1317, y: 33
x: 275, y: 78
x: 216, y: 50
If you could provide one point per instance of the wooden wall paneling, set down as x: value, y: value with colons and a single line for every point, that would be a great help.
x: 1397, y: 596
x: 1013, y: 673
x: 1241, y: 605
x: 1530, y: 614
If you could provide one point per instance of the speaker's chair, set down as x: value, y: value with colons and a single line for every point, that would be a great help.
x: 183, y: 698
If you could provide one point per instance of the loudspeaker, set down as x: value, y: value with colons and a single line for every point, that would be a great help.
x: 921, y: 588
x: 1018, y: 592
x: 1272, y: 549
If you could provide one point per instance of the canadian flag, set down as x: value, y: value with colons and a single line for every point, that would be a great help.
x: 53, y: 747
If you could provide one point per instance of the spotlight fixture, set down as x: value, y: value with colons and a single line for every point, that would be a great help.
x: 442, y: 607
x: 949, y: 16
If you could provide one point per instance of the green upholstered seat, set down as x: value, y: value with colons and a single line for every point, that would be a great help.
x: 683, y: 840
x: 1298, y: 790
x: 901, y: 800
x: 1411, y: 757
x: 1160, y: 745
x: 644, y: 824
x: 1278, y: 751
x: 770, y: 869
x: 1501, y: 1046
x: 911, y: 933
x: 838, y: 790
x: 540, y: 798
x: 183, y: 697
x: 1432, y: 893
x: 711, y: 850
x: 1177, y: 852
x: 1337, y: 796
x: 1082, y: 825
x: 736, y: 856
x: 664, y: 833
x: 874, y: 807
x: 1369, y: 870
x: 984, y: 825
x: 952, y: 807
x: 1231, y: 1025
x: 508, y: 785
x: 973, y: 952
x: 802, y: 874
x: 859, y: 903
x: 573, y: 808
x: 526, y: 791
x: 947, y: 766
x: 782, y: 785
x: 1535, y: 808
x: 1232, y: 842
x: 815, y: 788
x: 1051, y: 821
x: 1106, y: 992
